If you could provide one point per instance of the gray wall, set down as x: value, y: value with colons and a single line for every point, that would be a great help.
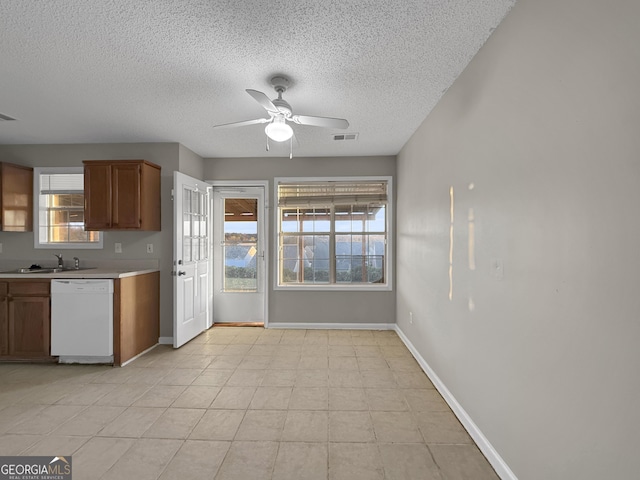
x: 542, y: 353
x: 19, y: 246
x: 312, y: 307
x: 190, y: 163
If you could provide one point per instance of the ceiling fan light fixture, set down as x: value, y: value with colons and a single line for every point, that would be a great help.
x: 278, y: 130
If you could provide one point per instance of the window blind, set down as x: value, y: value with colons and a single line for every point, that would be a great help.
x: 58, y: 183
x: 331, y: 193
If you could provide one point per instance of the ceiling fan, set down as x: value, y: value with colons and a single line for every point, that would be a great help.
x: 280, y: 113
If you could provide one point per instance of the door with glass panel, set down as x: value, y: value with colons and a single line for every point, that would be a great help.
x: 239, y: 267
x: 191, y: 247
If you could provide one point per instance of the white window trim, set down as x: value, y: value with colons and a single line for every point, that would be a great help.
x: 37, y: 171
x: 389, y: 260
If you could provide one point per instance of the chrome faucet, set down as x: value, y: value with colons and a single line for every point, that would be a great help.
x: 59, y: 256
x: 76, y: 264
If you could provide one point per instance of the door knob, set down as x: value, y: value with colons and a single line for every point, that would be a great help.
x: 182, y: 273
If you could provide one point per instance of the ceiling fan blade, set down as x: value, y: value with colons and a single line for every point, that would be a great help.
x: 242, y: 124
x: 263, y: 100
x: 320, y: 121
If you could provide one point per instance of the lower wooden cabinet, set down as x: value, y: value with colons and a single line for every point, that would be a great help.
x: 25, y: 319
x: 29, y: 327
x: 136, y: 315
x: 4, y: 320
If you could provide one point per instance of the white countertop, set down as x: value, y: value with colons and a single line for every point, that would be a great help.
x: 88, y: 273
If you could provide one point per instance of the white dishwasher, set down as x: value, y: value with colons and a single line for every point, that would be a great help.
x: 82, y: 320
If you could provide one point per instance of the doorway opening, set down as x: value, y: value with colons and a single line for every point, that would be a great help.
x: 239, y: 254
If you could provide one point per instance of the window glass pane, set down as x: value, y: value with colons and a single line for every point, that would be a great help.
x: 240, y: 272
x: 241, y: 244
x: 289, y: 263
x: 77, y: 200
x: 376, y: 220
x: 343, y: 218
x: 196, y: 226
x: 76, y: 217
x: 316, y: 272
x: 289, y: 220
x: 58, y: 217
x: 195, y: 249
x: 358, y: 218
x: 77, y: 234
x: 203, y: 249
x: 315, y: 258
x: 58, y: 234
x: 204, y: 230
x: 186, y: 200
x: 186, y: 249
x: 186, y: 225
x: 315, y: 219
x: 195, y: 202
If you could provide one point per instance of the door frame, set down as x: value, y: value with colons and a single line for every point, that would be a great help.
x: 267, y: 218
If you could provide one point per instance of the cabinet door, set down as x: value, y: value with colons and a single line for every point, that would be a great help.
x: 97, y: 197
x: 29, y: 326
x: 17, y: 198
x: 126, y: 195
x: 4, y: 326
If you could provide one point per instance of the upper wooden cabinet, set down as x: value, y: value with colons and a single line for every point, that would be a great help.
x: 16, y: 198
x: 121, y: 195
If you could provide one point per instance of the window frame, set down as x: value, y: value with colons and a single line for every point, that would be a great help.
x: 37, y: 171
x: 389, y: 252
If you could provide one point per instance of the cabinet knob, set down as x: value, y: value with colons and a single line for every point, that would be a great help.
x: 181, y: 273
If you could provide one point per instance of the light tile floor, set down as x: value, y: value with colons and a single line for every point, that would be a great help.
x: 243, y: 403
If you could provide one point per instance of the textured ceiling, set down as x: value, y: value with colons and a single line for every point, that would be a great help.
x: 168, y: 70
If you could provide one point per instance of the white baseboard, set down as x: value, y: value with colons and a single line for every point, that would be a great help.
x: 165, y: 340
x: 333, y: 326
x: 496, y: 461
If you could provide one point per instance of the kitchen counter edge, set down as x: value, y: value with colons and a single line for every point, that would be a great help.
x: 89, y: 273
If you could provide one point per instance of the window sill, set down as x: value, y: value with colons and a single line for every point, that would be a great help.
x: 334, y: 288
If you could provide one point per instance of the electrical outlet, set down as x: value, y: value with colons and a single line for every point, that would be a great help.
x: 118, y: 248
x: 411, y: 317
x: 149, y: 247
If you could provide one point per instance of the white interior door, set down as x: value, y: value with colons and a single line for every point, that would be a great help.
x: 239, y: 246
x: 191, y: 253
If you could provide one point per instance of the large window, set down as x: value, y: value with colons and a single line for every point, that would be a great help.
x: 333, y: 233
x: 59, y: 214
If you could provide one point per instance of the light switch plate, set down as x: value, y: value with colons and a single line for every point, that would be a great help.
x: 118, y: 248
x: 149, y: 247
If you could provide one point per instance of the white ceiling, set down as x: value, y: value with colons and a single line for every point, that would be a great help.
x: 78, y: 71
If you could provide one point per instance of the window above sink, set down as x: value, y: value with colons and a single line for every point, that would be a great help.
x: 59, y: 210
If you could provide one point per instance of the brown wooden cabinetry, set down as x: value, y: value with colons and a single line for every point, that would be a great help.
x: 25, y: 319
x: 16, y: 198
x: 136, y: 315
x: 4, y: 319
x: 121, y: 195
